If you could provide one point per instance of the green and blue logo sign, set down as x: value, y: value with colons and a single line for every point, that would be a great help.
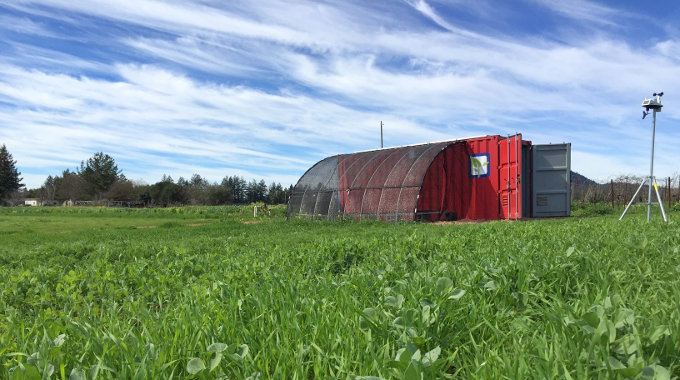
x: 479, y: 165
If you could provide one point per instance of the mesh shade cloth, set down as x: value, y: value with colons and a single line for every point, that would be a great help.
x: 313, y: 195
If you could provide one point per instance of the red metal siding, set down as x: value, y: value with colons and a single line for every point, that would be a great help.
x: 450, y: 186
x: 510, y: 176
x: 478, y: 193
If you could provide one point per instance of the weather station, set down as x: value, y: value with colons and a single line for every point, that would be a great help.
x: 652, y: 105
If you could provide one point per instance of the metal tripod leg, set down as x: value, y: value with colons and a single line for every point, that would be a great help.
x: 633, y: 199
x: 658, y: 198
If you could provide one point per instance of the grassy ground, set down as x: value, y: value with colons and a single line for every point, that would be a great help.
x: 213, y: 292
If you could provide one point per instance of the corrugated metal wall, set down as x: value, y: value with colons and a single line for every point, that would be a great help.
x: 510, y: 176
x: 462, y: 182
x: 551, y: 171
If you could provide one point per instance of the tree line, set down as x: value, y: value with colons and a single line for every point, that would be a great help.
x: 99, y: 181
x: 198, y: 191
x: 10, y: 180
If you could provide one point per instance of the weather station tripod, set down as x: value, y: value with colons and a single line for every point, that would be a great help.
x: 655, y: 105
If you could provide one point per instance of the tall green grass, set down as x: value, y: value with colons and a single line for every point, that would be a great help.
x: 216, y: 293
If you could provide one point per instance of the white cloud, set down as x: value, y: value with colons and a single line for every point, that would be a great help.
x: 582, y: 11
x: 423, y: 7
x: 271, y: 87
x: 22, y: 25
x: 178, y: 17
x: 156, y: 112
x: 669, y: 48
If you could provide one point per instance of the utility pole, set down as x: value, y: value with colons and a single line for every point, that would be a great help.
x: 381, y: 134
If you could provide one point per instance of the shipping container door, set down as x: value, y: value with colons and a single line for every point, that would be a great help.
x: 510, y: 176
x: 551, y: 174
x: 526, y: 182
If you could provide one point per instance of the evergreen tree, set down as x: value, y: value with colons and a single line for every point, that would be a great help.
x: 70, y: 186
x: 49, y: 188
x: 277, y: 194
x: 198, y: 190
x: 9, y: 176
x: 166, y: 193
x: 100, y: 172
x: 251, y: 191
x: 122, y: 190
x: 262, y: 191
x: 237, y: 186
x: 219, y: 195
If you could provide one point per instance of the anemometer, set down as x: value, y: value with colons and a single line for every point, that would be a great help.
x: 653, y: 104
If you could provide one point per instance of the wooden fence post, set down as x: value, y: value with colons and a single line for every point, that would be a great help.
x: 669, y: 193
x: 611, y: 191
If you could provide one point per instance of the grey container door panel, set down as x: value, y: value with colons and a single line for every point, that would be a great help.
x: 551, y: 175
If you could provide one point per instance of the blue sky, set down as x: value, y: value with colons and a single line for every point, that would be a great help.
x: 264, y: 89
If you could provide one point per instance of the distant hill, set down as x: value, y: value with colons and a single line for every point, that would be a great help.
x: 581, y: 179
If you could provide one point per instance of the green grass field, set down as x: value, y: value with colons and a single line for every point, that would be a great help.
x: 214, y: 293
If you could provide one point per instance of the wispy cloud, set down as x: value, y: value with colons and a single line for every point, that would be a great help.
x: 267, y: 88
x: 23, y: 25
x: 583, y: 11
x: 423, y: 7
